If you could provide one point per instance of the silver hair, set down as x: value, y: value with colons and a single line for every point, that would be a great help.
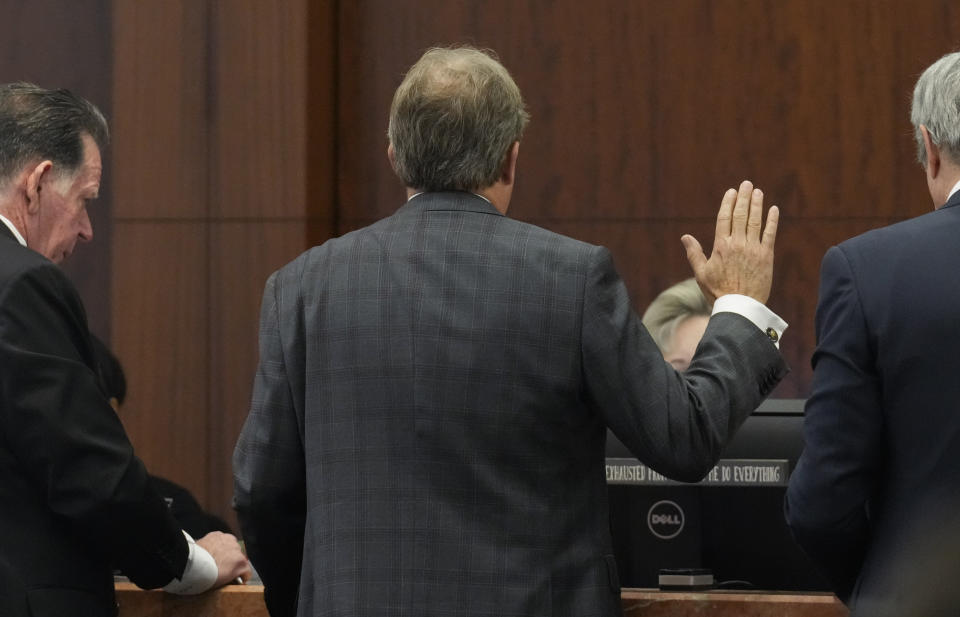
x: 38, y: 124
x: 671, y: 307
x: 453, y: 120
x: 936, y: 105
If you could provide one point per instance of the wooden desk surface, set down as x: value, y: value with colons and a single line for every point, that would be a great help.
x: 655, y: 603
x: 247, y: 601
x: 229, y: 601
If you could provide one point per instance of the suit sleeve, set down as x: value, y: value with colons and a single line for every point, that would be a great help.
x: 827, y: 499
x: 677, y: 423
x: 268, y: 463
x: 68, y: 439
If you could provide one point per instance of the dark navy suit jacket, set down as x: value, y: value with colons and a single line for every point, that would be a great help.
x: 872, y: 495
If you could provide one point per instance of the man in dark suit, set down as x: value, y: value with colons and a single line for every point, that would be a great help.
x: 75, y: 499
x: 429, y: 414
x: 881, y: 466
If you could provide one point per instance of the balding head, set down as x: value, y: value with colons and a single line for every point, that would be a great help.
x: 454, y: 119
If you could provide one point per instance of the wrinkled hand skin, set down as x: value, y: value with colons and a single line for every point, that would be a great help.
x: 232, y: 564
x: 742, y: 258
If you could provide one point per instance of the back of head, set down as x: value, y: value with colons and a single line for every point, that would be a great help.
x: 453, y: 119
x: 38, y: 124
x: 936, y: 105
x: 672, y: 306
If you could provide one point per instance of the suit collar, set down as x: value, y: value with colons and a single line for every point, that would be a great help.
x: 953, y: 201
x: 460, y: 201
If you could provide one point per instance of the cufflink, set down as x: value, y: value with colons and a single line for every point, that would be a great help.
x: 772, y: 335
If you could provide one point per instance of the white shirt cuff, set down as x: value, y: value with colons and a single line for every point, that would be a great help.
x: 762, y: 317
x: 199, y: 575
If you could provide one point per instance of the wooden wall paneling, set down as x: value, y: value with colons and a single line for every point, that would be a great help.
x: 646, y: 111
x: 160, y: 280
x: 160, y: 128
x: 260, y: 88
x: 160, y: 331
x: 243, y: 255
x: 273, y: 163
x: 322, y: 88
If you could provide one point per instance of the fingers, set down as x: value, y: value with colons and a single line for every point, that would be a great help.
x: 694, y: 252
x: 770, y: 230
x: 755, y: 217
x: 741, y: 210
x: 725, y: 216
x: 241, y: 573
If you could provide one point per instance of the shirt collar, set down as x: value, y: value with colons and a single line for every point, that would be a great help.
x: 19, y: 236
x: 477, y: 194
x: 956, y: 187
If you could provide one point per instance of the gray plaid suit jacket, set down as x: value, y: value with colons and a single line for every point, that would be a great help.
x: 426, y: 436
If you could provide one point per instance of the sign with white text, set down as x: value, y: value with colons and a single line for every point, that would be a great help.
x: 727, y: 472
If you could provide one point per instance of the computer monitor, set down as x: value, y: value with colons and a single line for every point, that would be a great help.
x: 736, y: 529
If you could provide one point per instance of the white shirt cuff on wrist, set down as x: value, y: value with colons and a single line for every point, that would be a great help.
x: 762, y: 317
x: 199, y: 575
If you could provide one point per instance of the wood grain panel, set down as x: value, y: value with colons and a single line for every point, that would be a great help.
x: 649, y: 603
x: 229, y: 601
x: 322, y: 118
x: 259, y: 87
x: 160, y: 128
x: 160, y: 335
x: 644, y: 108
x: 242, y: 256
x: 644, y: 112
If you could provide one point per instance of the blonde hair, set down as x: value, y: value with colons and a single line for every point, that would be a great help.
x: 671, y: 307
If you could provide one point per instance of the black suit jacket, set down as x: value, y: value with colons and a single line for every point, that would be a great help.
x: 881, y: 465
x: 74, y: 499
x: 429, y: 415
x: 187, y: 511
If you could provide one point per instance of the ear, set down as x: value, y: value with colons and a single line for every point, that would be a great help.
x: 35, y: 179
x: 933, y: 154
x: 508, y: 172
x: 392, y: 157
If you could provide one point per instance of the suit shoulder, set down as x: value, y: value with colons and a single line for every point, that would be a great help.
x: 16, y: 259
x: 22, y: 268
x: 917, y: 235
x: 883, y: 236
x: 553, y: 241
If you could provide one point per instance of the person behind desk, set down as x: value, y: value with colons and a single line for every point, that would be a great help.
x: 677, y: 319
x: 75, y: 501
x: 183, y: 505
x: 427, y: 427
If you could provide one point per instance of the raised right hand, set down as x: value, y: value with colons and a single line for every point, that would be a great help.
x: 742, y: 258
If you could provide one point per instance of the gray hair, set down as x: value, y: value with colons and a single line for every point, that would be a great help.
x: 936, y: 105
x: 453, y: 119
x: 671, y: 307
x: 38, y: 124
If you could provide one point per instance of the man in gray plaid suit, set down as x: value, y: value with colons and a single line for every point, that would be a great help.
x: 426, y: 436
